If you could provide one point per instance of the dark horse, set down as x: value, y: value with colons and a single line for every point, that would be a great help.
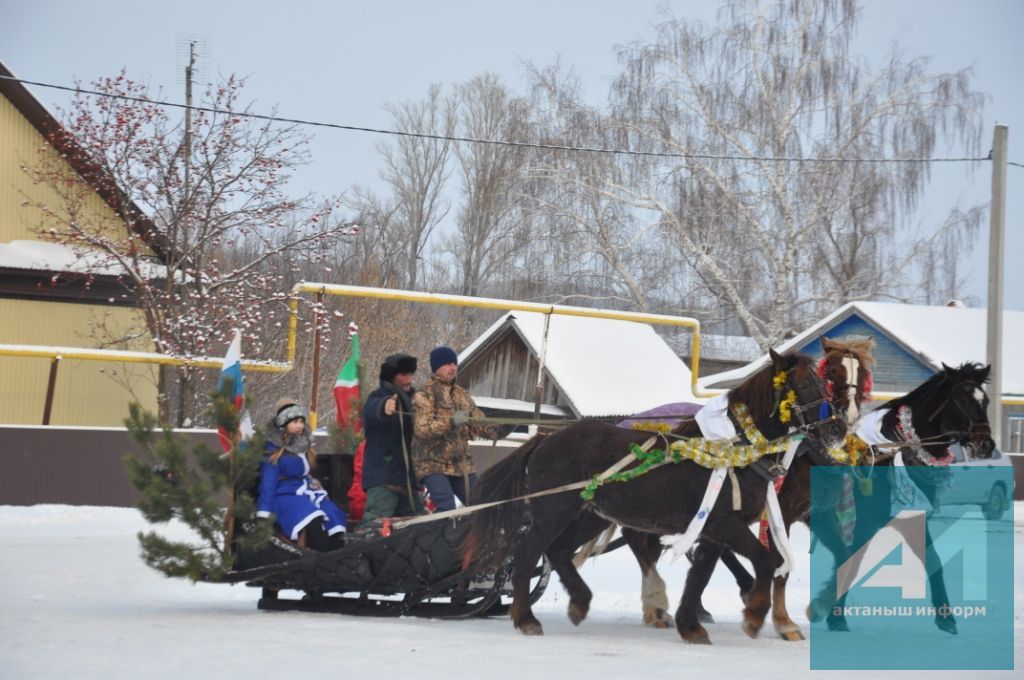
x: 660, y: 502
x: 949, y: 407
x: 846, y: 369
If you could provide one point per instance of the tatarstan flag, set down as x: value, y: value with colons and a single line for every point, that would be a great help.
x: 346, y: 387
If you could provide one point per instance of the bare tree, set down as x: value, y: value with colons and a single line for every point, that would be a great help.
x: 609, y: 251
x: 212, y: 209
x: 415, y: 169
x: 489, y: 223
x: 775, y: 240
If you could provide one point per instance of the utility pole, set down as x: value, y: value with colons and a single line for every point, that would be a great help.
x: 996, y: 243
x: 188, y: 113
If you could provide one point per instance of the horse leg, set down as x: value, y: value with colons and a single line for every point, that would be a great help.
x: 824, y: 604
x: 705, y: 557
x: 561, y: 555
x: 542, y: 534
x: 784, y: 625
x: 653, y: 596
x: 743, y: 578
x: 737, y: 535
x: 525, y: 560
x: 943, y: 616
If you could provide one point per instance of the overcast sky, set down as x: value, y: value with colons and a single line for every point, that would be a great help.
x: 340, y: 61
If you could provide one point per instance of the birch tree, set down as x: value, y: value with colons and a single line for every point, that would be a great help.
x: 415, y: 170
x: 775, y: 240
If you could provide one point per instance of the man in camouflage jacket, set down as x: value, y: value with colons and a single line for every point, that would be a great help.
x: 440, y: 446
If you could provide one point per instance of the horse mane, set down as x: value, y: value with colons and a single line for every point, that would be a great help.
x: 968, y: 370
x: 860, y: 349
x: 758, y: 391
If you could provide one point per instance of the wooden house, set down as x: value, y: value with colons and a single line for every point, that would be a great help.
x: 592, y: 367
x: 911, y: 344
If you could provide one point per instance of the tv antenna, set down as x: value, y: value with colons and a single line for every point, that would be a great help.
x: 192, y: 61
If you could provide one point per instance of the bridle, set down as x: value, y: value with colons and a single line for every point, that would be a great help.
x: 826, y: 409
x: 976, y: 431
x: 853, y: 392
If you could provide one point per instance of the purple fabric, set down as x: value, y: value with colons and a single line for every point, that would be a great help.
x: 673, y: 414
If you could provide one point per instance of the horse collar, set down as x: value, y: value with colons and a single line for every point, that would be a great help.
x: 905, y: 429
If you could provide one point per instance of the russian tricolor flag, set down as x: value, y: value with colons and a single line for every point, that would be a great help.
x: 232, y: 370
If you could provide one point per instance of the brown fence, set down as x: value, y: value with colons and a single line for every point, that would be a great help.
x: 83, y: 466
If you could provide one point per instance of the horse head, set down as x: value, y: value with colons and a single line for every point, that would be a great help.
x: 846, y: 370
x: 788, y: 394
x: 959, y: 407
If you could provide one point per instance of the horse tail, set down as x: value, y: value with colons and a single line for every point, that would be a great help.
x: 492, y: 531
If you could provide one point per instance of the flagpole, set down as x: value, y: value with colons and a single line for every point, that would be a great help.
x: 317, y: 318
x: 229, y: 516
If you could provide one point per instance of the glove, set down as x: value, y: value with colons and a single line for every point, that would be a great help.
x: 460, y: 418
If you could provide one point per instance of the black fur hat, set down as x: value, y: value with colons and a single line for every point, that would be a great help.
x: 395, y: 364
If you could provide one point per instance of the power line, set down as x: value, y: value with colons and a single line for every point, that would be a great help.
x: 498, y: 142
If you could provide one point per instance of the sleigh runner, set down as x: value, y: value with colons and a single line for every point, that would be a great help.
x: 385, y: 569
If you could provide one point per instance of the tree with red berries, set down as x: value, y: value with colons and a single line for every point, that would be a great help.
x: 209, y: 233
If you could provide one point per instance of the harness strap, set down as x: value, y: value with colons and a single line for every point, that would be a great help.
x: 458, y: 512
x: 737, y: 501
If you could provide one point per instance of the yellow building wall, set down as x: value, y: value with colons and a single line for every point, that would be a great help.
x: 22, y: 146
x: 87, y: 392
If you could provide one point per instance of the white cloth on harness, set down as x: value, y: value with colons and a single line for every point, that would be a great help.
x: 715, y: 424
x: 906, y: 495
x: 714, y: 419
x: 869, y: 427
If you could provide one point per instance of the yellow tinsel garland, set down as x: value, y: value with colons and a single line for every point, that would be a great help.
x: 851, y: 452
x: 707, y: 453
x: 786, y: 407
x: 722, y: 453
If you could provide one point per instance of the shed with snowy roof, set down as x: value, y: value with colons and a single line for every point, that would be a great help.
x: 592, y: 367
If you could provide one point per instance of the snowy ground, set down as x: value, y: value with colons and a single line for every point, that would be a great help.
x: 78, y: 602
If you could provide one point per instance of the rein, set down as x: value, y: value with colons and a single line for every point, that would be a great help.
x: 458, y: 512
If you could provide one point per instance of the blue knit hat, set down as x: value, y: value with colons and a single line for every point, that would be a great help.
x: 440, y: 356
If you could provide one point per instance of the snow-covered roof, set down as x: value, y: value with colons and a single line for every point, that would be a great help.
x: 937, y: 335
x: 603, y: 367
x: 55, y: 257
x: 724, y: 347
x: 498, y: 404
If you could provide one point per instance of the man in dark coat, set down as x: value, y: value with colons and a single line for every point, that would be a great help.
x: 388, y: 425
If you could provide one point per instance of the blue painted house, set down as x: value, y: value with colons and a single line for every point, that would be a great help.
x: 911, y: 344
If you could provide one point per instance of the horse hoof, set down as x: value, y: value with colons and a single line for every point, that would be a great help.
x: 791, y: 634
x: 946, y: 624
x: 658, y: 618
x: 816, y: 611
x: 577, y: 614
x: 697, y: 636
x: 838, y: 626
x: 752, y: 628
x: 531, y: 629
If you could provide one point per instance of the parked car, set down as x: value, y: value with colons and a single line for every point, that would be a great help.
x: 994, y: 497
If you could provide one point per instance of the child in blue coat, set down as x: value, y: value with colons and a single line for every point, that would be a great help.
x: 288, y: 491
